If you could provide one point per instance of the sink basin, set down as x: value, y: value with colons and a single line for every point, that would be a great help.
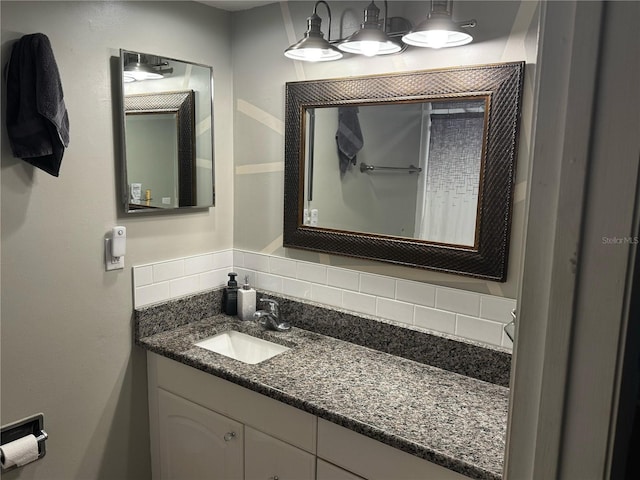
x: 242, y: 347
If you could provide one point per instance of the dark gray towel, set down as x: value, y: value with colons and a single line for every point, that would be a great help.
x: 37, y: 120
x: 348, y: 137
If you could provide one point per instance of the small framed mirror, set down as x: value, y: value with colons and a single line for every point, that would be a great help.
x: 167, y: 135
x: 415, y: 168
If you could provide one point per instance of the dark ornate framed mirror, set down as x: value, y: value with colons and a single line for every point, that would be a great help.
x: 415, y: 168
x: 161, y: 149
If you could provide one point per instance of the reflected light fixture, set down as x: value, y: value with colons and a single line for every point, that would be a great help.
x: 313, y: 47
x: 439, y: 30
x: 371, y: 39
x: 138, y: 70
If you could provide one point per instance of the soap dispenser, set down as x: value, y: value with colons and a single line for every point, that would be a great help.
x: 230, y: 295
x: 246, y: 301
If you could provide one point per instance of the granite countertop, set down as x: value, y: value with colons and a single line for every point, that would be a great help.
x: 444, y: 417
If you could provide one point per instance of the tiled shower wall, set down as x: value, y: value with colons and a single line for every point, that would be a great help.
x: 466, y: 314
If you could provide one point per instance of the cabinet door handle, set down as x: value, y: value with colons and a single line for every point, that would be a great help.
x: 229, y: 436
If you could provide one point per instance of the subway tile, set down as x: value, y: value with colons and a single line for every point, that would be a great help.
x: 477, y: 329
x: 282, y: 266
x: 242, y: 274
x: 343, y: 278
x: 199, y: 264
x: 257, y: 262
x: 378, y: 285
x: 458, y: 301
x: 327, y: 295
x: 266, y: 281
x: 394, y: 310
x: 416, y: 292
x: 296, y: 288
x: 238, y: 258
x: 142, y: 275
x: 496, y: 308
x: 184, y: 286
x: 164, y: 271
x: 433, y: 319
x: 312, y: 272
x: 359, y: 302
x: 506, y: 341
x: 158, y: 292
x: 223, y: 259
x: 213, y: 279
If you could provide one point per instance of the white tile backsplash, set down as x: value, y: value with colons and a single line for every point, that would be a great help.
x: 496, y: 308
x: 458, y: 312
x: 143, y: 276
x: 458, y: 301
x: 327, y: 295
x: 148, y: 294
x: 341, y: 278
x: 378, y: 285
x: 312, y: 272
x: 184, y: 286
x: 168, y: 270
x: 478, y: 329
x: 359, y: 302
x: 283, y: 267
x: 162, y: 281
x: 416, y: 292
x: 434, y: 319
x: 394, y: 310
x: 199, y: 264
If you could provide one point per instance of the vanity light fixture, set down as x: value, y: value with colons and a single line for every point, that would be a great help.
x: 371, y: 39
x: 138, y: 70
x: 439, y: 30
x: 313, y: 47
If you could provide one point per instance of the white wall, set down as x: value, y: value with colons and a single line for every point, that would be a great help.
x: 67, y: 345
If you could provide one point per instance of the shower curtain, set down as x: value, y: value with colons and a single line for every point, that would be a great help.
x: 448, y: 192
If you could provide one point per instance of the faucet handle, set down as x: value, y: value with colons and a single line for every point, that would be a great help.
x: 273, y: 305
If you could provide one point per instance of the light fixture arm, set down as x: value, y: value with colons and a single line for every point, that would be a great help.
x: 315, y: 13
x: 445, y: 8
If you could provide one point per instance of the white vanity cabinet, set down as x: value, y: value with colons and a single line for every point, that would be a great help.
x: 373, y: 460
x: 195, y: 442
x: 266, y: 458
x: 327, y: 471
x: 205, y: 427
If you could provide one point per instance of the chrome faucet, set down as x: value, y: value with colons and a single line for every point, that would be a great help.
x: 269, y: 319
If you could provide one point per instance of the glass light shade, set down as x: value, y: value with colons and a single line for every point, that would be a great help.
x: 313, y: 49
x: 140, y: 71
x: 369, y: 42
x: 438, y: 32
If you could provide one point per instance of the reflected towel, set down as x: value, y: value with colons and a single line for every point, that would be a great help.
x: 348, y: 137
x: 37, y: 120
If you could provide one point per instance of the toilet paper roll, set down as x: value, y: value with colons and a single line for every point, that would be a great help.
x: 19, y: 452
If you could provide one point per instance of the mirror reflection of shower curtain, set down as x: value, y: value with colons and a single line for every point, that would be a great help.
x: 448, y: 192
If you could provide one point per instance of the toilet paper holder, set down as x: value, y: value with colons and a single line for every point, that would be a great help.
x: 32, y: 425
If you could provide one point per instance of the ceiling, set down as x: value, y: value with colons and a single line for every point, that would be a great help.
x: 234, y: 5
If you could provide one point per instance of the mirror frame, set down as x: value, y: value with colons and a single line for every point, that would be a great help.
x: 182, y: 103
x: 501, y: 83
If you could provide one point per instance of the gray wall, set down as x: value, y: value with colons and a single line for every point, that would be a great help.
x: 506, y: 32
x: 67, y: 345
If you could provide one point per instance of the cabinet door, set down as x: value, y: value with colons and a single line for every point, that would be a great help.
x: 266, y: 458
x: 327, y: 471
x: 196, y: 443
